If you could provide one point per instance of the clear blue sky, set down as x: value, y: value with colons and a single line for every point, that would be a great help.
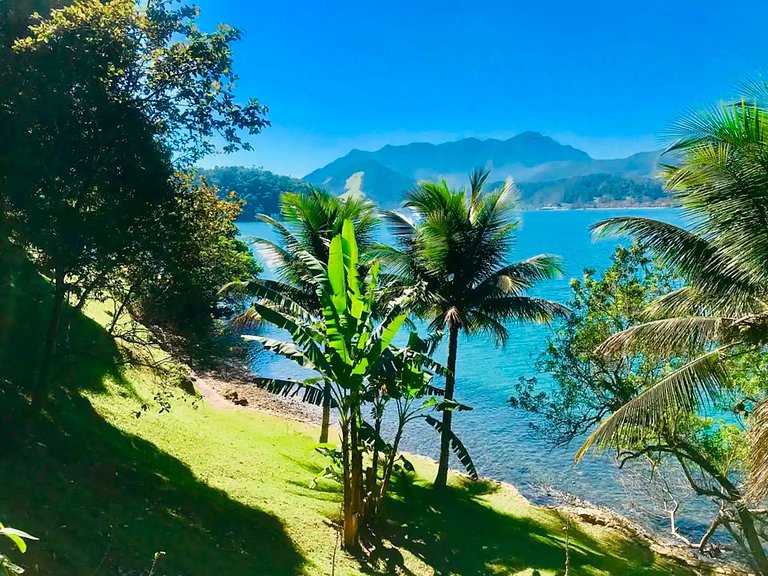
x: 606, y: 76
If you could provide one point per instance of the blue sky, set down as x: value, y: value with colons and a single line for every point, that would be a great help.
x: 607, y: 77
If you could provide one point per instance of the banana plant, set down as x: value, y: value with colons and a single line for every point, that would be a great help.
x: 349, y: 347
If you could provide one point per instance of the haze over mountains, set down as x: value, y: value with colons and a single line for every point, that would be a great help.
x: 547, y: 173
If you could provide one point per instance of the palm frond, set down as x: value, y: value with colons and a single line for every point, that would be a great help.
x: 457, y: 446
x: 685, y: 389
x: 523, y: 309
x: 693, y: 301
x: 309, y: 393
x: 665, y: 337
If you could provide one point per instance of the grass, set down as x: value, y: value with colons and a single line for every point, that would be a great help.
x: 227, y: 492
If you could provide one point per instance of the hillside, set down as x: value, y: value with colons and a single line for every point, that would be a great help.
x: 592, y: 191
x: 260, y: 189
x: 125, y: 465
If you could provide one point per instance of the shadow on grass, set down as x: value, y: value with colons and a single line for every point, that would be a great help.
x: 103, y: 502
x: 455, y: 532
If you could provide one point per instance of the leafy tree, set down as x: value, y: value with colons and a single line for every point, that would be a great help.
x: 458, y: 249
x: 308, y: 223
x: 95, y: 103
x: 707, y: 454
x: 719, y: 177
x: 194, y: 251
x: 346, y: 346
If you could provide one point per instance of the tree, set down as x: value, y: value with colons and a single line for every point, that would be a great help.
x: 308, y: 223
x: 719, y: 178
x: 459, y: 248
x: 346, y: 346
x: 681, y: 455
x: 95, y: 103
x: 194, y: 251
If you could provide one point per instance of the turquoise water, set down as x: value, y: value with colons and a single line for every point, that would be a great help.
x: 497, y: 436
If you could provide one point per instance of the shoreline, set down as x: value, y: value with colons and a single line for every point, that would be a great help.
x: 542, y: 209
x: 236, y: 391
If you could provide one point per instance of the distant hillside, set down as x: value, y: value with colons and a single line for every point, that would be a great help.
x: 260, y: 189
x: 592, y: 190
x: 530, y: 157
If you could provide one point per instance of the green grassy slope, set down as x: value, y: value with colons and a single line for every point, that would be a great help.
x: 227, y: 492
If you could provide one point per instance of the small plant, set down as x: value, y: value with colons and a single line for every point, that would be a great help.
x: 19, y: 538
x: 159, y: 554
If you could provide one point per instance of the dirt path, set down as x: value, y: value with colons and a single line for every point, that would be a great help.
x: 236, y: 393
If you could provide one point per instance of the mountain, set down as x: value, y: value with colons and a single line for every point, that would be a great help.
x: 364, y: 177
x: 530, y: 157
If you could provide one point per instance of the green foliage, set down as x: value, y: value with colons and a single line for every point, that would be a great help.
x: 589, y: 384
x: 308, y: 222
x: 157, y: 60
x: 259, y: 189
x: 687, y: 453
x: 195, y: 252
x: 347, y: 346
x: 18, y: 538
x: 98, y: 103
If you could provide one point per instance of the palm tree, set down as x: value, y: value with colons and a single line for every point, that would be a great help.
x: 457, y: 249
x: 721, y: 180
x: 308, y: 223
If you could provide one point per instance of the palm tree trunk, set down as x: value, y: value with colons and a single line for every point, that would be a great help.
x: 326, y: 413
x: 59, y: 297
x: 450, y: 380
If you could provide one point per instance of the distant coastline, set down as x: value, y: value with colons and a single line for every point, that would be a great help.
x: 599, y: 207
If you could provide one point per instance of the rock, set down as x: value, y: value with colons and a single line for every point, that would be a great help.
x: 241, y: 401
x: 186, y: 384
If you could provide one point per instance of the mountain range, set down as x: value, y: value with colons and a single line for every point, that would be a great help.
x: 546, y: 172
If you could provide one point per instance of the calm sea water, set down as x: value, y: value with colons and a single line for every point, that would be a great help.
x: 498, y: 436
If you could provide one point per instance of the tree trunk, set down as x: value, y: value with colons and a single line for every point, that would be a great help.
x: 356, y: 478
x: 40, y: 393
x: 371, y: 499
x: 353, y: 475
x: 390, y: 466
x: 349, y: 522
x: 450, y: 380
x: 752, y: 540
x: 326, y: 413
